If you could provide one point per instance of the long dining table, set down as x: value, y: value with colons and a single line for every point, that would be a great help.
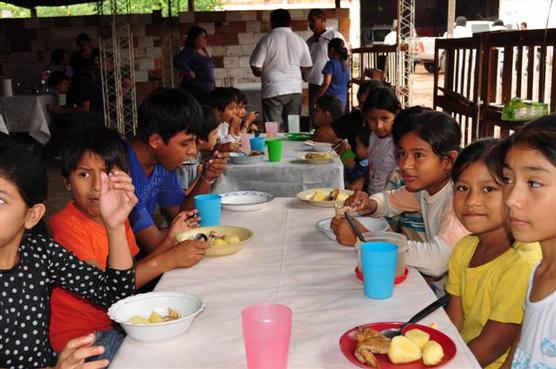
x: 28, y: 114
x: 289, y: 262
x: 282, y: 179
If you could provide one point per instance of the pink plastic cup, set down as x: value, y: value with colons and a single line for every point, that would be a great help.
x: 271, y: 129
x: 245, y: 144
x: 266, y: 334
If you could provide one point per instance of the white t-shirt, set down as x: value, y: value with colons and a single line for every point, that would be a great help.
x: 391, y: 38
x: 280, y: 54
x: 224, y: 135
x: 537, y: 343
x: 319, y: 54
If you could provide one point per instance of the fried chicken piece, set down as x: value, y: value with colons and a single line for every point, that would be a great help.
x: 365, y: 356
x: 373, y: 340
x: 334, y: 194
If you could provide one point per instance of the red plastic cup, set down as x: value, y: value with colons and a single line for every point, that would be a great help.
x: 266, y: 334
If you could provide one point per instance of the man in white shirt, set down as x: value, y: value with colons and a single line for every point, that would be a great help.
x: 280, y: 58
x: 460, y: 30
x: 318, y: 46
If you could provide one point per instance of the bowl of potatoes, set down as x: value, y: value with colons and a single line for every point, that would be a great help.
x: 156, y: 316
x: 223, y: 240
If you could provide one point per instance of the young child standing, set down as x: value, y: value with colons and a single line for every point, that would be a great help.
x: 31, y: 264
x: 79, y: 228
x: 487, y: 277
x: 336, y: 72
x: 529, y: 174
x: 428, y: 146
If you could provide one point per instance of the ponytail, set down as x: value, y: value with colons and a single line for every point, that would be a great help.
x: 338, y: 45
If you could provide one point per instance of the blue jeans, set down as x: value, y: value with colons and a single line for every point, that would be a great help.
x: 111, y: 340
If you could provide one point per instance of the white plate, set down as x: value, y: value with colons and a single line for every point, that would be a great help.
x: 372, y: 224
x: 245, y: 200
x: 237, y: 158
x: 303, y: 156
x: 308, y: 194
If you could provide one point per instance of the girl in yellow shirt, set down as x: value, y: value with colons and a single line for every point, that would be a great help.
x: 487, y: 276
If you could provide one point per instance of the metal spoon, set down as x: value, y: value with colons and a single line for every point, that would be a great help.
x: 393, y: 332
x: 354, y: 227
x: 200, y: 237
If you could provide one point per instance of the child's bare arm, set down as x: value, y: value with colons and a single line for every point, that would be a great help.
x: 455, y: 311
x: 508, y: 363
x: 494, y: 340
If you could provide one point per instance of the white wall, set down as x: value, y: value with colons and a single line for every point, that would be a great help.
x: 534, y: 12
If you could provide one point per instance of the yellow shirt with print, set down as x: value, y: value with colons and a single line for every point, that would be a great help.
x: 492, y: 291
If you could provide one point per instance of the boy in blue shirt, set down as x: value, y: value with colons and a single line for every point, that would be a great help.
x: 168, y: 124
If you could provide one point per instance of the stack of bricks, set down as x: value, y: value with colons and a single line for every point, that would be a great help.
x: 25, y: 44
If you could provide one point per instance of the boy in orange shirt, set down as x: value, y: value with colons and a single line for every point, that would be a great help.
x: 79, y: 228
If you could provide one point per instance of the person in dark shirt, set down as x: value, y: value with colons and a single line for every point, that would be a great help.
x: 86, y: 60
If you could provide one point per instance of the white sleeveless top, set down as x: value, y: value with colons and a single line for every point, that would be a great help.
x: 537, y: 344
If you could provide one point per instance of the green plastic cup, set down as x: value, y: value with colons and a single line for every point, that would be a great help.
x: 274, y: 149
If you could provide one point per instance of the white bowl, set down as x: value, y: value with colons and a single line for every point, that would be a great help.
x: 188, y: 305
x: 372, y: 224
x: 238, y: 158
x: 322, y: 146
x: 245, y: 200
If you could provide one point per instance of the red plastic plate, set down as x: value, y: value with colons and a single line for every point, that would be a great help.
x: 398, y: 280
x: 348, y: 343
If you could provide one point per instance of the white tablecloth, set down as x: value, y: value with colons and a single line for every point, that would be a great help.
x: 282, y: 179
x: 27, y: 113
x: 288, y: 262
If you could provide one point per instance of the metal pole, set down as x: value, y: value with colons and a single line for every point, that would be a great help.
x: 451, y: 17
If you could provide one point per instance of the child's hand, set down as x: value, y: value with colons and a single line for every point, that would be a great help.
x: 235, y: 124
x: 228, y: 147
x: 182, y: 222
x: 214, y: 167
x: 117, y: 198
x: 343, y: 231
x: 361, y: 203
x: 188, y: 253
x: 350, y: 163
x: 77, y: 350
x: 344, y: 146
x: 250, y: 118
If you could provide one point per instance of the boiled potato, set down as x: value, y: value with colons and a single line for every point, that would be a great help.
x: 418, y: 337
x: 342, y: 197
x: 155, y: 318
x: 320, y: 196
x: 138, y: 319
x: 402, y: 350
x: 231, y: 239
x: 219, y: 242
x: 432, y: 353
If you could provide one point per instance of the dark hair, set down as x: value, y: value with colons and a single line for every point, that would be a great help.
x: 367, y: 86
x: 539, y: 135
x: 317, y: 13
x: 103, y: 142
x: 498, y: 22
x: 280, y: 18
x: 192, y: 34
x: 57, y: 77
x: 331, y: 104
x: 166, y: 112
x: 210, y: 122
x: 221, y: 97
x: 403, y: 118
x: 474, y: 152
x: 82, y: 37
x: 382, y: 98
x: 437, y: 128
x: 461, y: 21
x: 364, y: 136
x: 339, y: 46
x: 57, y: 55
x: 241, y: 97
x: 27, y: 172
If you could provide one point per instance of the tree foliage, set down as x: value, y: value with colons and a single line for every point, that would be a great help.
x: 136, y: 7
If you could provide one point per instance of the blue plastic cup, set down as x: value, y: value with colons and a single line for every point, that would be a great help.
x: 257, y: 143
x: 379, y: 260
x: 209, y: 209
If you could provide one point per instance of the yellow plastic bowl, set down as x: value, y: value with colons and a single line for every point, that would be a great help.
x: 308, y: 194
x: 245, y: 235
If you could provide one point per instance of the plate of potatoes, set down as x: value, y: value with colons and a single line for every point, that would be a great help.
x: 223, y: 240
x: 419, y: 347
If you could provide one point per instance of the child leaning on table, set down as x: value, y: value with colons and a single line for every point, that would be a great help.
x: 248, y: 120
x: 487, y: 276
x: 79, y: 228
x: 31, y: 264
x: 527, y: 167
x: 427, y: 146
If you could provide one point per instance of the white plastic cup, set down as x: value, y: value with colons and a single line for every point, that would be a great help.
x: 293, y: 123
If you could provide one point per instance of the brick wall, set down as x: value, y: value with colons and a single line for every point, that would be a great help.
x: 25, y: 44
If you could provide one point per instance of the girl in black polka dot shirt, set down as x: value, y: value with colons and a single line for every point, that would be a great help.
x: 30, y: 264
